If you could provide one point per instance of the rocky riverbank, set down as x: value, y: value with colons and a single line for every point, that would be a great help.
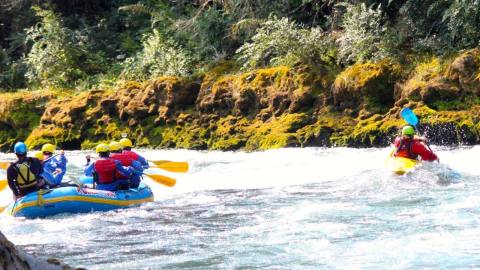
x: 267, y: 108
x: 13, y: 259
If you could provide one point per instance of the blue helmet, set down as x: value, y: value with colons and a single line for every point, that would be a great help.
x: 20, y: 148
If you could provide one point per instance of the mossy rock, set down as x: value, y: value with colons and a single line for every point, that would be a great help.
x: 465, y: 71
x: 276, y: 133
x: 452, y: 127
x: 370, y: 85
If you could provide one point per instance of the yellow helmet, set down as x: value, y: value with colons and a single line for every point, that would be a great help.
x: 125, y: 142
x: 38, y: 155
x: 48, y: 148
x: 102, y: 148
x: 115, y: 146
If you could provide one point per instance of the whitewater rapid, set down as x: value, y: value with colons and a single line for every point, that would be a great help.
x: 312, y: 208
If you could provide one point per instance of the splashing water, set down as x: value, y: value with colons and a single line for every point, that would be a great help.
x: 311, y: 208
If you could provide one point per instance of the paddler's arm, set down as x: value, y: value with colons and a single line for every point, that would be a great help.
x: 11, y: 176
x: 62, y: 160
x: 50, y: 178
x: 143, y: 162
x: 137, y: 167
x: 89, y: 169
x: 125, y: 171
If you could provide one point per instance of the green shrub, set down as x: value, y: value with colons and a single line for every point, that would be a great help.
x: 54, y: 57
x: 283, y: 42
x: 463, y: 19
x: 365, y: 37
x: 159, y: 57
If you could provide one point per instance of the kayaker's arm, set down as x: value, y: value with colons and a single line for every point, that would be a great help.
x: 426, y: 155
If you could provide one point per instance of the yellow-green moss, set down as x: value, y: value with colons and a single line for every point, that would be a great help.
x: 424, y: 72
x: 358, y: 76
x: 276, y: 133
x: 43, y: 135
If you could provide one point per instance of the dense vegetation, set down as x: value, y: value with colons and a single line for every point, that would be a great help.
x: 81, y: 44
x: 237, y: 74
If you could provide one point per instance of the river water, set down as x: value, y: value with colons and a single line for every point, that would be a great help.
x: 313, y: 208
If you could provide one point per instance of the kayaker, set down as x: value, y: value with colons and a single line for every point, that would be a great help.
x: 411, y: 146
x: 127, y: 149
x: 106, y: 169
x: 56, y: 165
x: 127, y: 161
x: 25, y: 175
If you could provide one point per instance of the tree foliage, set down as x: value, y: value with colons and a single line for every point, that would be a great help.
x: 159, y: 57
x: 284, y: 42
x: 53, y: 58
x: 83, y: 43
x: 365, y: 37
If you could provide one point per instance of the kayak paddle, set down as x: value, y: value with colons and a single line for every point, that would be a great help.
x: 409, y: 116
x: 171, y: 166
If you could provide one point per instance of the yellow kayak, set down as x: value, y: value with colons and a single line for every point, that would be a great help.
x: 400, y: 165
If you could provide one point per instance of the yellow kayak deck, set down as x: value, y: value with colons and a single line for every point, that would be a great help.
x: 400, y: 165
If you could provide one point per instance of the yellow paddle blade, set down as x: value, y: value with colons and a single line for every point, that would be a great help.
x: 161, y: 179
x: 2, y: 208
x: 171, y: 166
x: 4, y: 165
x: 3, y: 184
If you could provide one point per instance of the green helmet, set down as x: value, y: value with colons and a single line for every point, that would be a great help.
x: 408, y: 130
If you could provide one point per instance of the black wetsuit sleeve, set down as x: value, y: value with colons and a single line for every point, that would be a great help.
x: 11, y: 176
x: 36, y: 167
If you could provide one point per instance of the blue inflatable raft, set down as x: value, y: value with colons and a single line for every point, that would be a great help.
x: 73, y: 199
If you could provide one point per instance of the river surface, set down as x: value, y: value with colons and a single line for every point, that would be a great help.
x: 313, y: 208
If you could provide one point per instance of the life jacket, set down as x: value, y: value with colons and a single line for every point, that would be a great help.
x: 105, y: 171
x: 124, y: 158
x: 26, y: 179
x: 405, y: 149
x: 131, y: 154
x: 126, y: 161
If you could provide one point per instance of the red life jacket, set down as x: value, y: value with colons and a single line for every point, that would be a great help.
x: 126, y: 161
x: 124, y: 158
x: 131, y: 154
x: 105, y: 171
x: 404, y: 149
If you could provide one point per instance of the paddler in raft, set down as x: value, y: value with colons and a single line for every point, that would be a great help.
x: 25, y: 175
x: 106, y: 171
x: 127, y: 161
x: 127, y: 149
x: 54, y: 164
x: 53, y: 179
x: 408, y: 145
